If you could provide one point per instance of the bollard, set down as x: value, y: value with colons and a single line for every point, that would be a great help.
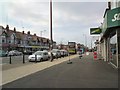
x: 23, y: 58
x: 95, y: 55
x: 35, y: 58
x: 10, y: 59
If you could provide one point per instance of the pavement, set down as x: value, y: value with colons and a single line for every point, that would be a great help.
x: 13, y: 72
x: 81, y: 73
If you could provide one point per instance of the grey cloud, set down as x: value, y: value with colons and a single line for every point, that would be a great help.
x: 70, y: 19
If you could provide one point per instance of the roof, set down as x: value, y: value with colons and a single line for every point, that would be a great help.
x: 22, y: 36
x: 9, y: 33
x: 34, y: 38
x: 44, y: 39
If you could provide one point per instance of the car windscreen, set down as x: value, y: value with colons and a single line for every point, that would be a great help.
x: 0, y: 51
x: 37, y: 53
x: 54, y: 51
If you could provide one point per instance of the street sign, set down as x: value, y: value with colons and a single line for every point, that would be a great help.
x: 95, y: 31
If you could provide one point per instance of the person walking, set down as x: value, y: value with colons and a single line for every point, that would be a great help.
x: 80, y: 54
x: 51, y: 57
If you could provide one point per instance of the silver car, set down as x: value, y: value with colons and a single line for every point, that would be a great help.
x: 56, y: 53
x: 39, y: 56
x: 14, y: 53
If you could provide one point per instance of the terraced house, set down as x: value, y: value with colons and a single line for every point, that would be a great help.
x: 13, y: 39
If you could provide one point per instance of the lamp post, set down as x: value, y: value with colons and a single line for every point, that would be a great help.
x: 51, y: 39
x: 42, y: 32
x: 85, y: 39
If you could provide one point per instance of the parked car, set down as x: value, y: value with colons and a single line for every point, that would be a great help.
x: 3, y: 53
x: 56, y: 53
x: 39, y: 55
x: 14, y: 53
x: 64, y: 53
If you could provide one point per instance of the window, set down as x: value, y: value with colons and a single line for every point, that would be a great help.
x: 118, y: 4
x: 9, y: 41
x: 3, y: 40
x: 45, y: 53
x: 113, y: 49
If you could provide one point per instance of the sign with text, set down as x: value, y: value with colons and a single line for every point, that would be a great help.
x: 113, y: 17
x: 95, y: 31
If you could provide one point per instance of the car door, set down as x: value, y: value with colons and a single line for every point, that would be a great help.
x: 44, y: 56
x: 47, y: 55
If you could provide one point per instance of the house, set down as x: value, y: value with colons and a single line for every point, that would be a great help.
x: 21, y: 41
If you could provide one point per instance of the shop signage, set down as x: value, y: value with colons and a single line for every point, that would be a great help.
x: 113, y: 17
x: 116, y: 17
x: 95, y: 31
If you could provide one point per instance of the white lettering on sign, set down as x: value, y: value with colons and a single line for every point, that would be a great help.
x: 116, y: 17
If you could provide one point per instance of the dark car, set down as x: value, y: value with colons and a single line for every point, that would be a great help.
x: 3, y: 53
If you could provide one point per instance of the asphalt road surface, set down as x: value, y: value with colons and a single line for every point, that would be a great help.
x: 82, y: 73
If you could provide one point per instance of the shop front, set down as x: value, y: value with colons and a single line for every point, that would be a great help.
x: 111, y: 36
x: 113, y: 24
x: 118, y: 40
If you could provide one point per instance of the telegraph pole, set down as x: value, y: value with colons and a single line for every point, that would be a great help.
x: 51, y: 39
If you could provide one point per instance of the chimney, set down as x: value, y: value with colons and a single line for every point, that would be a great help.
x: 14, y: 29
x: 109, y: 5
x: 34, y: 34
x: 28, y: 32
x: 23, y: 32
x: 7, y: 27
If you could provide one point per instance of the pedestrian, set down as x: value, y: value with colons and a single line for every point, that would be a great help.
x: 80, y: 54
x: 51, y: 57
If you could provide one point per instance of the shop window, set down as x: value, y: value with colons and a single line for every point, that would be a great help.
x: 118, y: 48
x: 113, y: 49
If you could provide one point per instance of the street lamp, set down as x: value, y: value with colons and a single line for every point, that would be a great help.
x: 51, y: 39
x: 42, y: 32
x: 85, y: 39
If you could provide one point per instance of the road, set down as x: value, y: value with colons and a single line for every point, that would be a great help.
x: 82, y: 73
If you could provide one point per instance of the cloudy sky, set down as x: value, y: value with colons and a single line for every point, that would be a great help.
x: 71, y: 20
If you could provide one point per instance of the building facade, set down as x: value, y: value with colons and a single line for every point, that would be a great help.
x: 110, y: 36
x: 14, y: 40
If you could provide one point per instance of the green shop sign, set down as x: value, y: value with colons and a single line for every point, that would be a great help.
x: 113, y: 17
x: 95, y: 31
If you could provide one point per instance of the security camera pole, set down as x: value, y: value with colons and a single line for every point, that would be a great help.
x: 51, y: 39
